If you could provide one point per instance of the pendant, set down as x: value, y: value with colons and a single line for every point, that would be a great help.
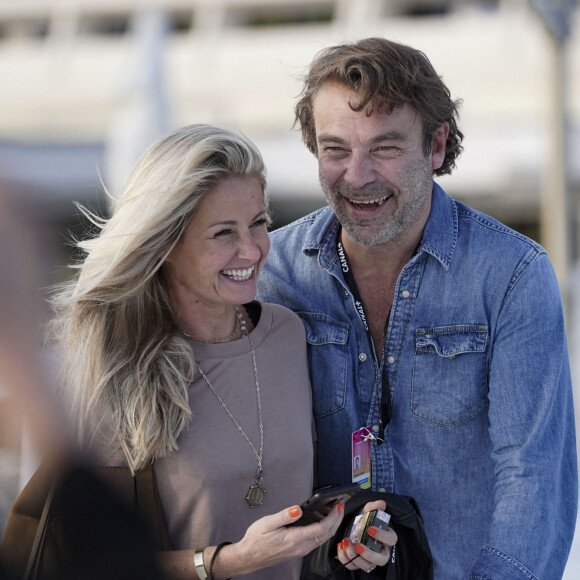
x: 255, y: 495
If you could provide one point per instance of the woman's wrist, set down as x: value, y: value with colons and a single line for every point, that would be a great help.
x: 213, y: 559
x: 229, y: 562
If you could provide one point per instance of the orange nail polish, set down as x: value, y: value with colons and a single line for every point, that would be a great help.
x: 294, y: 511
x: 345, y: 543
x: 372, y: 531
x: 340, y: 507
x: 359, y: 549
x: 339, y: 547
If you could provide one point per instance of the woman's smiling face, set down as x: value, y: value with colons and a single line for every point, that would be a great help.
x: 223, y: 248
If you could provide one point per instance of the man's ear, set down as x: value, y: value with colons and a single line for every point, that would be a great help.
x: 438, y: 146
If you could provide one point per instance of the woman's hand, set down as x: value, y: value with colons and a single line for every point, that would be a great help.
x: 354, y: 556
x: 269, y: 541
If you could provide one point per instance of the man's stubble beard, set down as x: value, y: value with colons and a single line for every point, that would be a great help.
x: 417, y: 185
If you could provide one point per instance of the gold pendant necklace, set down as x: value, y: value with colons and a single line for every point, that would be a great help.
x: 256, y: 492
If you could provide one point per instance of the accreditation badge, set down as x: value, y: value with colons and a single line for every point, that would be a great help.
x: 361, y: 457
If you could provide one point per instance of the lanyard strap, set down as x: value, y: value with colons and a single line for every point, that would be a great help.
x: 351, y: 283
x: 385, y: 410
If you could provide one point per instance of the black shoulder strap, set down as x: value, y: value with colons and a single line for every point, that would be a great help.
x: 38, y: 545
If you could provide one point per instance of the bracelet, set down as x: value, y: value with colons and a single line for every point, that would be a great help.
x: 198, y: 562
x: 214, y: 557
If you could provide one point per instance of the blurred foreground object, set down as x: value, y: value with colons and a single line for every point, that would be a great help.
x: 98, y: 535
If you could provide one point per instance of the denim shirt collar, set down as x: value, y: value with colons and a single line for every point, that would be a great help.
x: 439, y: 237
x: 441, y: 230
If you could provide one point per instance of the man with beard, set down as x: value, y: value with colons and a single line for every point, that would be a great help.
x: 436, y: 337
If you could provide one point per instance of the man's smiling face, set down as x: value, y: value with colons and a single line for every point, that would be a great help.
x: 372, y: 169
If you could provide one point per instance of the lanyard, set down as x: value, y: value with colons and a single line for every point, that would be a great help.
x: 351, y: 283
x: 385, y: 410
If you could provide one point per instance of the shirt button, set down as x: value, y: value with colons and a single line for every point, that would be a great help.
x: 362, y: 356
x: 391, y: 359
x: 376, y: 428
x: 405, y: 294
x: 345, y: 293
x: 383, y: 490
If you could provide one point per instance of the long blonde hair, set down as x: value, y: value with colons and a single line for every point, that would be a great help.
x: 123, y: 354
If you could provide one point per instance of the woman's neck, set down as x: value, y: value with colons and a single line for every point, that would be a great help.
x: 210, y: 325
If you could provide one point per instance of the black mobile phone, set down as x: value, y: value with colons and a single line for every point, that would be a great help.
x: 322, y: 500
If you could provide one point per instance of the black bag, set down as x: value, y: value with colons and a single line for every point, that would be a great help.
x: 410, y: 558
x: 98, y: 523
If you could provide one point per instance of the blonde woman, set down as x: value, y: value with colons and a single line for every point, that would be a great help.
x: 169, y: 359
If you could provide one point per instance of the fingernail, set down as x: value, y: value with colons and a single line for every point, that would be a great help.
x: 294, y: 511
x: 339, y: 547
x: 372, y: 531
x: 340, y: 507
x: 345, y: 543
x: 359, y: 549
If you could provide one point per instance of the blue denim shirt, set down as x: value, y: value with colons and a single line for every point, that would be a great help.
x: 482, y: 427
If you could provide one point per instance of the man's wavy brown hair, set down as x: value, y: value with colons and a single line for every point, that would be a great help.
x: 385, y: 75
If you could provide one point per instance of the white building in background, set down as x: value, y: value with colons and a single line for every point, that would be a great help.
x: 78, y: 75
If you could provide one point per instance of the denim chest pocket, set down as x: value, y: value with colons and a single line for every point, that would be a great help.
x: 327, y: 357
x: 449, y: 374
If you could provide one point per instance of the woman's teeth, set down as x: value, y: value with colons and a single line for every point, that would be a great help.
x: 239, y: 275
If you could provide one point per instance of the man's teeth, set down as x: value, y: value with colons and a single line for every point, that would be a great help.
x: 379, y: 201
x: 239, y: 275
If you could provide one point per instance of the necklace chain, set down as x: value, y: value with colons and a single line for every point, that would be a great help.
x: 256, y: 492
x: 218, y: 340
